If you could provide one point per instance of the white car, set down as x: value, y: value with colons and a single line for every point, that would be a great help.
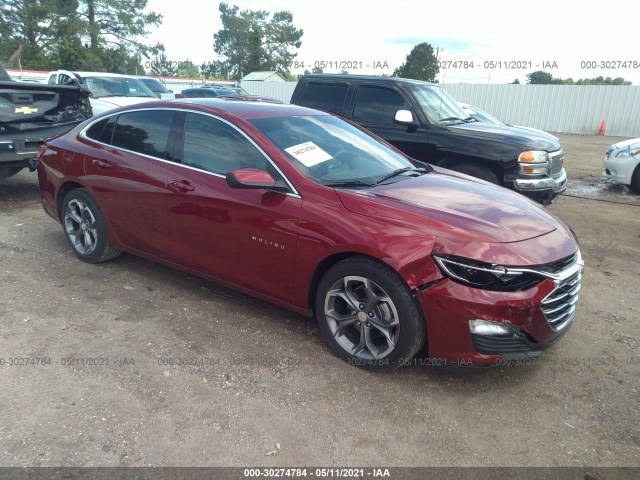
x: 108, y: 90
x: 622, y: 163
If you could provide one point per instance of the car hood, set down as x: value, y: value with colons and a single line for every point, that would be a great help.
x: 624, y: 144
x: 453, y: 206
x: 522, y: 138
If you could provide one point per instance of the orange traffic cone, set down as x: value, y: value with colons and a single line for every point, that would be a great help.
x: 602, y: 127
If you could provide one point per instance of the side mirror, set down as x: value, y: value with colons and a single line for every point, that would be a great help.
x: 404, y: 117
x: 253, y: 178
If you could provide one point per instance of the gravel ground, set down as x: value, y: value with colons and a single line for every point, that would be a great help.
x: 264, y: 389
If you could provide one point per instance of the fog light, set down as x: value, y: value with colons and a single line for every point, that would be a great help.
x: 483, y: 327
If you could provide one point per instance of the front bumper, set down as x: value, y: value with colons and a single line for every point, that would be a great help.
x: 532, y: 317
x: 543, y: 189
x: 620, y: 170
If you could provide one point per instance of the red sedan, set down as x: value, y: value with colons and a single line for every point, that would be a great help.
x: 305, y: 210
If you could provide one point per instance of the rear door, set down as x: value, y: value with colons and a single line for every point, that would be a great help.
x: 247, y: 237
x: 128, y: 171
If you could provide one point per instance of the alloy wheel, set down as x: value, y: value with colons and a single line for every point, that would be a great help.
x: 80, y: 226
x: 362, y: 318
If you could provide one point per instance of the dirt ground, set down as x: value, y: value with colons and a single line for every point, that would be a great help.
x: 258, y: 377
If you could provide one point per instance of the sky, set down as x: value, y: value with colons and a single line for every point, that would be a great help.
x: 500, y: 41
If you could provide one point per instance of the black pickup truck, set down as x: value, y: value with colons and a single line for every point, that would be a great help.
x: 30, y: 112
x: 423, y: 121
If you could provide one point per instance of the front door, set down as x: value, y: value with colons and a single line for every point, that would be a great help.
x: 247, y: 237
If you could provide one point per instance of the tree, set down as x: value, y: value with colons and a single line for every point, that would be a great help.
x: 30, y: 29
x: 545, y: 78
x: 250, y: 41
x: 516, y: 82
x: 118, y: 22
x: 421, y: 64
x: 539, y: 77
x: 75, y: 34
x: 188, y: 69
x: 161, y: 66
x: 215, y: 69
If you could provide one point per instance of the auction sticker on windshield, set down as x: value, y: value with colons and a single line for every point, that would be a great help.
x: 308, y: 153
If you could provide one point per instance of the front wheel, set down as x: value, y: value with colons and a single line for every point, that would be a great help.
x: 635, y: 180
x: 85, y: 229
x: 478, y: 171
x: 368, y: 315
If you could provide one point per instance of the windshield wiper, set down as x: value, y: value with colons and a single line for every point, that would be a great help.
x: 349, y: 183
x: 401, y: 171
x: 470, y: 119
x: 449, y: 119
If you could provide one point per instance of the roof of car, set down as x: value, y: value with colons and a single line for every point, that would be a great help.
x: 340, y: 76
x: 245, y: 110
x: 205, y: 89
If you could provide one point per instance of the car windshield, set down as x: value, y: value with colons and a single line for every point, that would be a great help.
x: 117, y: 87
x: 155, y: 85
x: 481, y: 115
x: 224, y: 91
x: 333, y: 152
x: 437, y: 105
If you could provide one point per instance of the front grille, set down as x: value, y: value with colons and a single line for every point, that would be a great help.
x: 558, y: 265
x: 560, y: 305
x: 556, y: 160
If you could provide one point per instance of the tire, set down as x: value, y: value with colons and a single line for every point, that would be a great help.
x: 6, y: 172
x: 478, y: 171
x: 635, y: 180
x: 84, y: 227
x: 368, y: 315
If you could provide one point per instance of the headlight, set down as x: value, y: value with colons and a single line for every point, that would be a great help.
x: 533, y: 162
x: 485, y: 276
x: 629, y: 152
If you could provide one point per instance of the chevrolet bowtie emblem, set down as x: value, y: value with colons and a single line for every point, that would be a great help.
x: 26, y: 110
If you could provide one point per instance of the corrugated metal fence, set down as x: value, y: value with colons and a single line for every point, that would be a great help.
x: 556, y: 108
x: 559, y: 108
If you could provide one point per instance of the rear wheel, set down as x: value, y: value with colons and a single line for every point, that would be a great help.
x: 478, y: 171
x: 85, y: 228
x: 368, y: 315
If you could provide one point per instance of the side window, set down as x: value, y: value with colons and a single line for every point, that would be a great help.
x: 325, y: 96
x: 145, y: 131
x: 377, y: 105
x: 214, y: 146
x: 102, y: 131
x: 52, y: 79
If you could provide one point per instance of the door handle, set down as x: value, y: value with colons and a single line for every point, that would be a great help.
x: 100, y: 164
x: 181, y: 186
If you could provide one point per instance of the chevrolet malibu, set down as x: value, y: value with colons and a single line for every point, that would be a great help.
x: 315, y: 214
